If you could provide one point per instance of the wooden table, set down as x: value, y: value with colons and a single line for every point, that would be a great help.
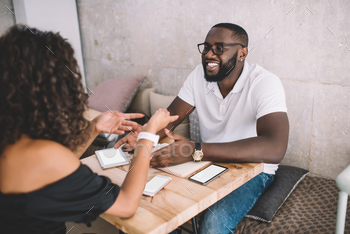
x: 179, y: 201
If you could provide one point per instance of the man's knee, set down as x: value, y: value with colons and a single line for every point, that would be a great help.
x: 211, y: 223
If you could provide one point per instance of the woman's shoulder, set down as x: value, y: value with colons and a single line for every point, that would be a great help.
x: 32, y: 164
x: 50, y: 154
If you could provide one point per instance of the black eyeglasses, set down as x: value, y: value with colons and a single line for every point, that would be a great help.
x: 218, y: 49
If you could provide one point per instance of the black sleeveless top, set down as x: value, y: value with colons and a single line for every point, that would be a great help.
x: 80, y: 197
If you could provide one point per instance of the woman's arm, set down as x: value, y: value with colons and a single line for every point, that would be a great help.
x: 131, y: 190
x: 108, y: 122
x: 92, y: 134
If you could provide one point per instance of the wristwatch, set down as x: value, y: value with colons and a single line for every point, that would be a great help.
x: 198, y: 153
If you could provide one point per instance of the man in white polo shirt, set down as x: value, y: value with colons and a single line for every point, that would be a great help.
x: 242, y: 115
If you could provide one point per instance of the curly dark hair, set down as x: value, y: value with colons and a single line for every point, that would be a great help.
x: 41, y: 91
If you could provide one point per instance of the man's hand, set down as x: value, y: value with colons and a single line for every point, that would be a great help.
x: 130, y: 139
x: 115, y: 122
x: 180, y: 151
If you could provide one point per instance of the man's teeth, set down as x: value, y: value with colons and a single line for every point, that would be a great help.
x: 212, y: 64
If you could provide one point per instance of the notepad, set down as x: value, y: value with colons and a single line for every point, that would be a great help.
x: 111, y: 157
x: 184, y: 169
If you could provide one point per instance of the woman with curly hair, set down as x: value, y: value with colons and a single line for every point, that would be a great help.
x: 43, y: 133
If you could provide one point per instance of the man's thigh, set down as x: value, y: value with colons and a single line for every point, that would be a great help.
x: 223, y: 216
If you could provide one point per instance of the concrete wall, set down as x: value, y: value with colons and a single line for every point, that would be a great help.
x: 305, y: 43
x: 7, y: 18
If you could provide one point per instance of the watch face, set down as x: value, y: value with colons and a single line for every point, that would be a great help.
x: 197, y: 155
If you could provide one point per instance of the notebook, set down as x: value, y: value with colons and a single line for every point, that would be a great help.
x: 184, y: 169
x: 111, y: 157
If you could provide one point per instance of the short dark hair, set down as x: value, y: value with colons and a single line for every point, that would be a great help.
x: 237, y: 32
x: 41, y: 93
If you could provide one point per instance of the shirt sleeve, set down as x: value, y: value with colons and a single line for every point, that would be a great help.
x: 268, y: 95
x: 186, y: 93
x: 80, y: 197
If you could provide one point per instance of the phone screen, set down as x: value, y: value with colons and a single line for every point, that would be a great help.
x: 155, y: 184
x: 208, y: 174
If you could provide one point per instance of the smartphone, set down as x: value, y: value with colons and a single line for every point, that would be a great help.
x: 208, y: 174
x: 111, y: 157
x: 156, y: 184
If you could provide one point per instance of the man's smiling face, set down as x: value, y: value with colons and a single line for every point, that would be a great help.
x: 218, y: 67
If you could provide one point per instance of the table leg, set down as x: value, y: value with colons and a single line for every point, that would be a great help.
x: 194, y: 225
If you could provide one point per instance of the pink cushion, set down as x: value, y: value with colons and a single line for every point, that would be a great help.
x: 117, y: 94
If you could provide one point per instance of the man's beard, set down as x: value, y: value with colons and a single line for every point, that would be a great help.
x: 223, y: 71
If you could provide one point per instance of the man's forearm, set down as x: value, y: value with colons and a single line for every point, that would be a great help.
x: 269, y: 146
x: 180, y: 108
x: 170, y: 127
x: 255, y: 149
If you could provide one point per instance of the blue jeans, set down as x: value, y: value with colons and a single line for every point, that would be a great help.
x: 224, y: 215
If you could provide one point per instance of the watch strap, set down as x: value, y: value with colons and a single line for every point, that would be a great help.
x: 148, y: 136
x: 198, y: 146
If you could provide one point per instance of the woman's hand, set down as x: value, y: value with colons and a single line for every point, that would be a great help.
x: 159, y: 120
x: 116, y: 122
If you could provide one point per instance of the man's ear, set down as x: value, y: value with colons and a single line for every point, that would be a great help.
x: 243, y: 53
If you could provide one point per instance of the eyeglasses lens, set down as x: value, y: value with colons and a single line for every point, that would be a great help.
x: 204, y: 49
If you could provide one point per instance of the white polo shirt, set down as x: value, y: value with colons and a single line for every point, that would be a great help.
x: 256, y: 93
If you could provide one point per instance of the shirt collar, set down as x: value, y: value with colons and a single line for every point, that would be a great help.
x: 241, y: 79
x: 213, y: 86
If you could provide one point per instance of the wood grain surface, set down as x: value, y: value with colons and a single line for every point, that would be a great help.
x: 179, y: 201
